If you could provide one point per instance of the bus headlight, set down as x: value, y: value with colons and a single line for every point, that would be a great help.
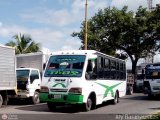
x: 76, y: 90
x: 44, y: 89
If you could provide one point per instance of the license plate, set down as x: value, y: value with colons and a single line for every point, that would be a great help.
x: 21, y: 93
x: 57, y: 96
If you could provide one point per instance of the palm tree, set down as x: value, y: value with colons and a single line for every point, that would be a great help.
x: 24, y: 44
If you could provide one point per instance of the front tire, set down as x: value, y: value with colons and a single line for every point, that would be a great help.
x: 35, y: 98
x: 1, y: 100
x: 90, y: 104
x: 5, y: 100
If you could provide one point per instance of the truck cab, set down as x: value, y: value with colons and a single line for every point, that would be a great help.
x: 28, y: 84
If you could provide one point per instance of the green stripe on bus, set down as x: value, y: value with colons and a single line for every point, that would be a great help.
x: 108, y: 89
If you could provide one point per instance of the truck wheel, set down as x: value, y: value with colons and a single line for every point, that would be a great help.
x: 35, y: 98
x: 51, y: 106
x: 130, y: 90
x: 1, y: 100
x: 5, y: 100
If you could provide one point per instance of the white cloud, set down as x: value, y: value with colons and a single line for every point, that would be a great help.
x: 64, y: 16
x: 49, y: 16
x: 73, y: 43
x: 53, y: 40
x: 132, y: 4
x: 1, y: 24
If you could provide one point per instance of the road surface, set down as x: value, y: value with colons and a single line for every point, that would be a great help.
x: 129, y: 107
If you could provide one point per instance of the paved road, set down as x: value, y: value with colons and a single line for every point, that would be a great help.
x: 128, y: 107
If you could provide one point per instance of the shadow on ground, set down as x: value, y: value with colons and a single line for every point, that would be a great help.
x: 137, y: 96
x: 59, y: 109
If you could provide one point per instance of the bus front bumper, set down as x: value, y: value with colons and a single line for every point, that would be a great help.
x: 62, y: 98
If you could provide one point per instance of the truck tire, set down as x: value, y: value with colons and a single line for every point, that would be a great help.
x: 5, y: 100
x: 35, y: 98
x: 130, y: 90
x: 51, y: 106
x: 1, y: 100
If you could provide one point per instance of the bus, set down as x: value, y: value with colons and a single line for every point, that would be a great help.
x: 152, y: 79
x: 84, y: 78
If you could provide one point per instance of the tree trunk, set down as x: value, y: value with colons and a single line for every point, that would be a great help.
x: 134, y: 64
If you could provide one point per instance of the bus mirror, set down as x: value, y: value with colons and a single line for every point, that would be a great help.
x: 89, y: 67
x: 44, y: 66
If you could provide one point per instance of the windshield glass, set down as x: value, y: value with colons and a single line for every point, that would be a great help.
x: 65, y: 66
x: 140, y: 77
x: 22, y: 75
x: 152, y: 73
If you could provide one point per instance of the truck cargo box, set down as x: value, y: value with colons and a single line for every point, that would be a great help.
x: 32, y: 60
x: 7, y: 68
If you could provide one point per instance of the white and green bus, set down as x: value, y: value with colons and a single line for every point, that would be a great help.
x: 83, y: 77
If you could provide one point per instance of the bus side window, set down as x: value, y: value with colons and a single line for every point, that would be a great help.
x: 107, y: 68
x: 91, y: 70
x: 100, y: 67
x: 113, y: 69
x: 121, y: 71
x: 117, y: 70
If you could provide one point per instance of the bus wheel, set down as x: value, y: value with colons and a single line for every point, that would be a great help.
x: 1, y: 100
x: 116, y: 99
x: 88, y: 105
x: 35, y: 98
x: 51, y: 106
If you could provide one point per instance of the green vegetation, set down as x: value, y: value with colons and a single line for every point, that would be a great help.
x: 24, y: 44
x: 135, y: 34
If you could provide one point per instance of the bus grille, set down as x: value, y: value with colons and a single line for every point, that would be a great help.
x: 58, y: 90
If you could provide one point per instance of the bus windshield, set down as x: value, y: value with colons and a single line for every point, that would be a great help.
x: 22, y: 75
x: 65, y: 66
x: 152, y: 73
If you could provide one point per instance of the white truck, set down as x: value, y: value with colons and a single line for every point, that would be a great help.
x: 152, y: 79
x: 29, y: 73
x: 7, y: 73
x: 130, y: 83
x: 139, y: 82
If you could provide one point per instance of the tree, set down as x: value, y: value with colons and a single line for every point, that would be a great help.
x: 136, y: 34
x: 24, y: 44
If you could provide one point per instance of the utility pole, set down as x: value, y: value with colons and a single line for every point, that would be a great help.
x: 86, y: 31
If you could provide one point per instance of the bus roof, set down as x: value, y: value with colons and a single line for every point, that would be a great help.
x: 82, y: 52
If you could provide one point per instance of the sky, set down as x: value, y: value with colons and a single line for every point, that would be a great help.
x: 51, y: 22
